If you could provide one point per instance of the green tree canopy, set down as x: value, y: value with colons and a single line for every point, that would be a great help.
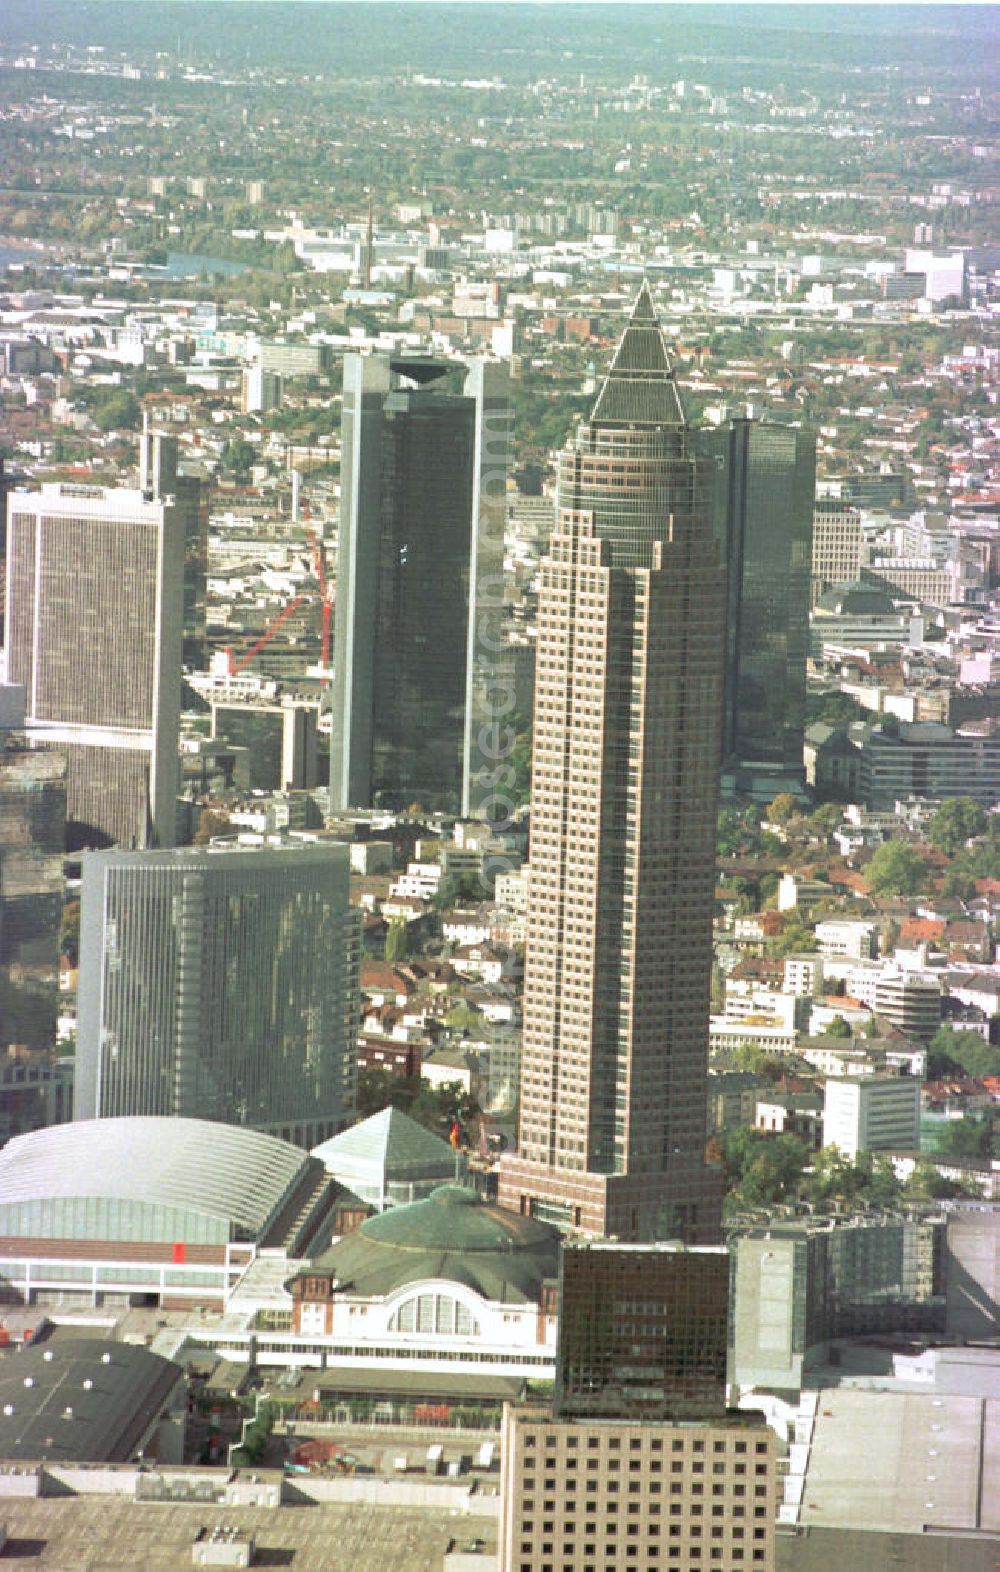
x: 958, y: 820
x: 69, y: 933
x: 783, y: 808
x: 794, y: 939
x: 954, y: 1052
x: 397, y: 940
x: 838, y: 1027
x: 896, y: 869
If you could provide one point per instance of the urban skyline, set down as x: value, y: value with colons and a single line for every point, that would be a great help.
x: 499, y: 786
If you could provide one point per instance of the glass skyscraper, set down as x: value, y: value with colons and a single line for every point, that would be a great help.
x: 761, y: 484
x: 220, y: 983
x: 418, y: 637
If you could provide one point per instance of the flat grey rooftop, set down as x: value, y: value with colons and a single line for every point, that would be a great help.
x: 99, y: 1534
x: 903, y: 1463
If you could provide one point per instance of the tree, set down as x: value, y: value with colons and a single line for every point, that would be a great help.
x: 952, y: 1052
x: 462, y: 1017
x: 729, y: 833
x: 238, y: 456
x: 397, y: 940
x: 751, y: 1059
x: 116, y: 410
x: 958, y: 820
x: 826, y: 817
x: 783, y: 808
x: 776, y: 1167
x: 926, y: 1184
x: 838, y: 1027
x: 69, y: 933
x: 794, y: 939
x: 211, y: 823
x: 970, y: 1136
x: 896, y: 869
x: 456, y: 889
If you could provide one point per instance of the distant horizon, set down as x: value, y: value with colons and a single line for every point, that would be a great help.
x: 665, y: 5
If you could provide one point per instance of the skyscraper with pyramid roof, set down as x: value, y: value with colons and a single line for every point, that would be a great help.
x: 624, y: 795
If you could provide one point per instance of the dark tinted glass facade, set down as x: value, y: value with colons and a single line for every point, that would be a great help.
x: 421, y: 529
x: 642, y: 1333
x: 32, y: 833
x: 761, y: 491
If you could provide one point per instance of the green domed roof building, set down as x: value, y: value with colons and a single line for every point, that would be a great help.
x: 453, y: 1235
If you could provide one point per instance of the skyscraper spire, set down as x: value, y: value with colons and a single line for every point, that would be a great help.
x: 639, y: 389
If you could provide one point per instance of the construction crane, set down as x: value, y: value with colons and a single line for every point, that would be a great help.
x: 326, y: 598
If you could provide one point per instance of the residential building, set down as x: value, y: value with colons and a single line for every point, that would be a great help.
x: 911, y: 1002
x: 95, y: 582
x: 871, y: 1113
x: 260, y: 390
x: 220, y: 983
x: 419, y: 599
x: 624, y: 793
x: 848, y: 937
x: 762, y: 491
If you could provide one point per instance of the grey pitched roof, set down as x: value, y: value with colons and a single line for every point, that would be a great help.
x: 390, y: 1142
x: 639, y: 389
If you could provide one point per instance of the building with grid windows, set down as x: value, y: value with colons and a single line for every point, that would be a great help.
x: 761, y: 485
x: 699, y: 1497
x: 628, y: 700
x: 94, y: 620
x: 220, y: 983
x: 642, y: 1332
x: 836, y: 545
x: 418, y: 635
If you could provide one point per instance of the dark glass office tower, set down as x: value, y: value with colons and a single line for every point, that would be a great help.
x: 761, y: 493
x: 419, y: 583
x: 642, y: 1332
x: 32, y: 846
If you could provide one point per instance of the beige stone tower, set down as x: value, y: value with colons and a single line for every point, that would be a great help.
x: 624, y: 795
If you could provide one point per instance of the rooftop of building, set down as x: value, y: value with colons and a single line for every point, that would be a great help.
x: 391, y: 1143
x: 451, y: 1235
x: 639, y: 388
x: 81, y: 1399
x: 218, y: 1169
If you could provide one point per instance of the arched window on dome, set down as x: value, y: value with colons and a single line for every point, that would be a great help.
x: 434, y: 1315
